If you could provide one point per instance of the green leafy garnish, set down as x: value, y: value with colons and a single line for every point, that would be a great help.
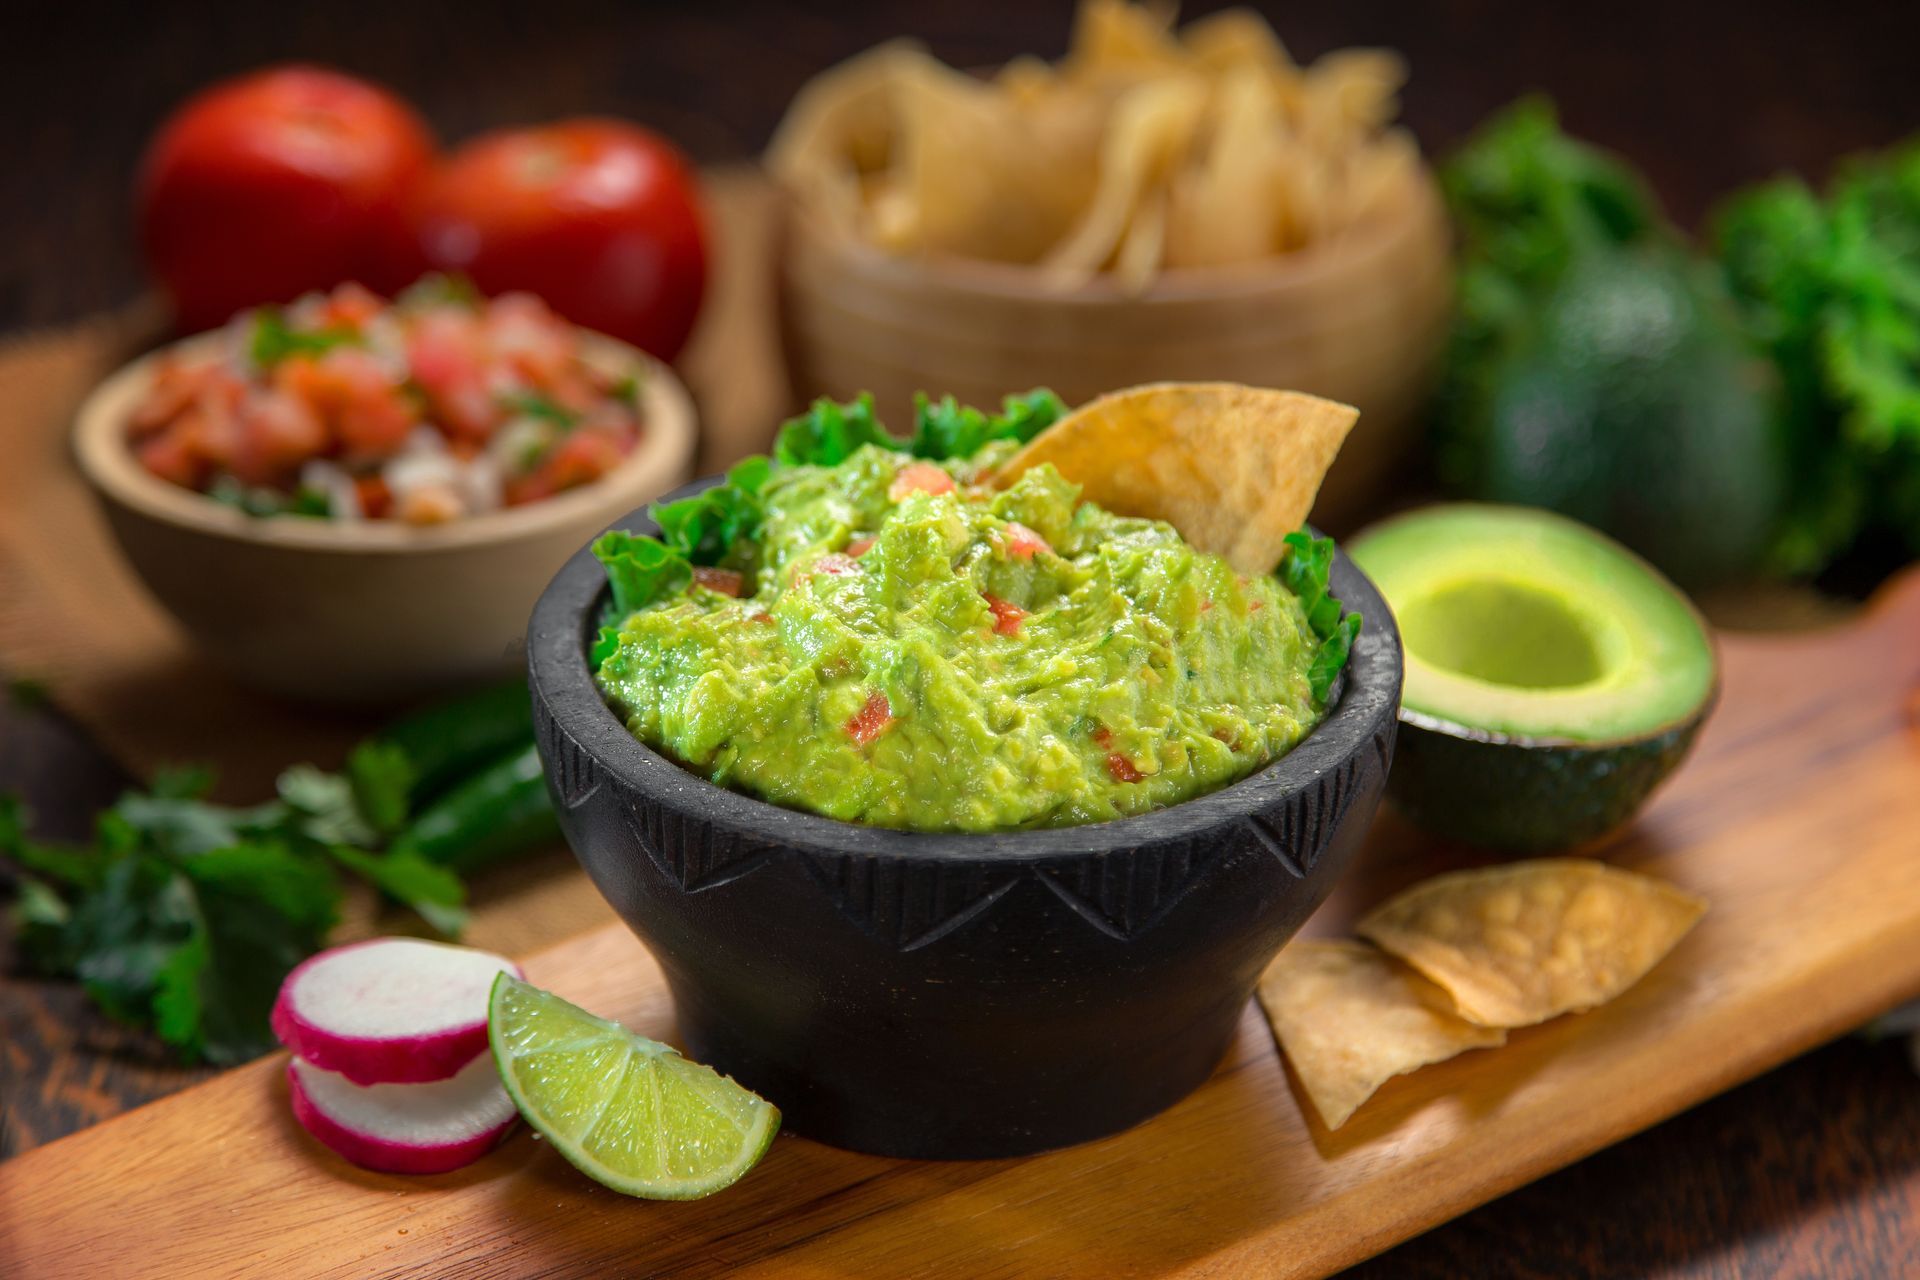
x: 275, y: 340
x: 1304, y: 570
x: 640, y: 569
x: 712, y: 524
x: 828, y: 434
x: 949, y: 429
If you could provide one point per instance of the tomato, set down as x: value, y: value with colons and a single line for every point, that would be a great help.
x: 871, y: 720
x: 600, y: 218
x: 277, y: 183
x: 1023, y: 543
x: 919, y: 477
x: 1006, y: 615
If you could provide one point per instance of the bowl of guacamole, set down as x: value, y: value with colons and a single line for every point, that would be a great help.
x: 962, y: 816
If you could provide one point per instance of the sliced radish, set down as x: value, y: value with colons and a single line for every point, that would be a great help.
x: 389, y: 1011
x: 404, y: 1128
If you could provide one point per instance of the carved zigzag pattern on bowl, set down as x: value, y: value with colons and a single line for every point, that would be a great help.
x: 575, y: 776
x: 1298, y: 833
x: 909, y: 905
x: 690, y: 852
x: 1127, y: 891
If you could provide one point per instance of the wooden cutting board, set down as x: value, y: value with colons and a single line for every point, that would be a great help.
x: 1798, y: 819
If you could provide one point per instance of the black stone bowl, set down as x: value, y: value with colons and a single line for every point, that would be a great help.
x: 957, y: 996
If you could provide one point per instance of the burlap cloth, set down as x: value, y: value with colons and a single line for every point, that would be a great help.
x: 75, y: 619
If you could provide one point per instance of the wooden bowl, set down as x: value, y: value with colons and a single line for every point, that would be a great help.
x: 1358, y: 318
x: 374, y: 611
x: 957, y: 996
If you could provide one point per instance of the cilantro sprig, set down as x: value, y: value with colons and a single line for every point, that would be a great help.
x: 183, y: 916
x: 274, y: 340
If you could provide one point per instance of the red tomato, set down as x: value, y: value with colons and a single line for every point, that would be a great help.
x: 919, y: 477
x: 1023, y: 543
x: 1006, y: 614
x: 280, y: 182
x: 871, y: 720
x: 600, y: 218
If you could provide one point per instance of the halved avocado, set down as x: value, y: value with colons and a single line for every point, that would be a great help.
x: 1554, y: 678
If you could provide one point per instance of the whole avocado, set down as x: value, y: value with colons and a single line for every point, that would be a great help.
x: 1633, y: 407
x: 1594, y: 368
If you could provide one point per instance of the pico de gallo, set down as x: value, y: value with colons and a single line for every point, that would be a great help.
x: 439, y: 405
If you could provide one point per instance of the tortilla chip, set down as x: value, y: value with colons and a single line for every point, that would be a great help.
x: 1350, y: 1018
x: 1137, y: 260
x: 1234, y: 469
x: 1234, y: 39
x: 841, y: 125
x: 1153, y: 126
x: 982, y: 176
x: 1227, y: 209
x: 1117, y: 39
x: 1350, y: 93
x: 1380, y: 176
x: 1521, y: 943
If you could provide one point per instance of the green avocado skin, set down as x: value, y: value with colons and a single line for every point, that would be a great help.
x: 1526, y: 797
x: 1632, y: 406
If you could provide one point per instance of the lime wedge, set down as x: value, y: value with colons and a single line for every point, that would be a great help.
x: 629, y: 1112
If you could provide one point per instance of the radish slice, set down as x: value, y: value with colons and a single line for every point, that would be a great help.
x: 404, y: 1128
x: 389, y: 1011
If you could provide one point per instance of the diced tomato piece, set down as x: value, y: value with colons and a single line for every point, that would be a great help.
x: 1022, y: 543
x: 350, y: 306
x: 919, y: 477
x: 277, y: 432
x: 376, y: 499
x: 1256, y: 606
x: 170, y: 455
x: 1006, y: 615
x: 517, y: 491
x: 725, y: 581
x: 763, y: 618
x: 859, y: 547
x: 372, y: 413
x: 447, y: 355
x: 1103, y: 736
x: 1122, y: 768
x: 871, y: 720
x: 525, y: 333
x: 178, y: 387
x: 581, y: 457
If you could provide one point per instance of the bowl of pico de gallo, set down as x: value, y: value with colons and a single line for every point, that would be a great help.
x: 354, y: 500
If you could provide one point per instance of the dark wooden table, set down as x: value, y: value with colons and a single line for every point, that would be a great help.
x: 1813, y: 1170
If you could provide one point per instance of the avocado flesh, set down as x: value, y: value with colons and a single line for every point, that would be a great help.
x: 1553, y: 678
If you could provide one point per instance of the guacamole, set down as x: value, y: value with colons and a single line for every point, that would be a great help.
x: 901, y: 645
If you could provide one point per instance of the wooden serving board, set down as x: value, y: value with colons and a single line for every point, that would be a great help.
x: 1798, y: 819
